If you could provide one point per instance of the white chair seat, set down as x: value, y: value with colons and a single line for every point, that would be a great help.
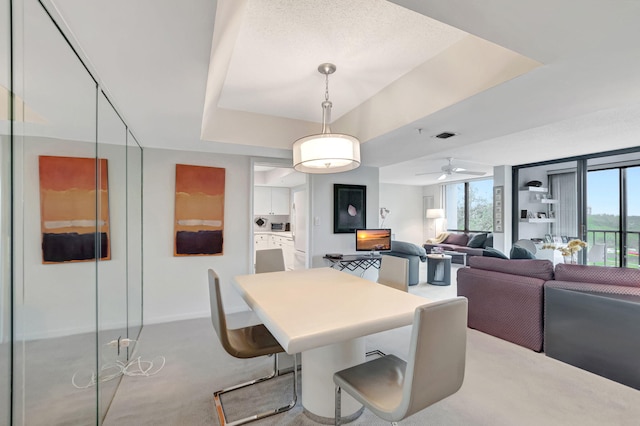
x: 394, y: 389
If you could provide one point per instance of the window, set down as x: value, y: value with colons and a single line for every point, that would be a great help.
x: 613, y: 216
x: 469, y: 206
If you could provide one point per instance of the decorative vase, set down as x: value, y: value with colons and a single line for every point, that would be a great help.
x: 570, y: 259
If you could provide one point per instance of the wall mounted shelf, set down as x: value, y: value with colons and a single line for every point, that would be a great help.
x: 538, y: 220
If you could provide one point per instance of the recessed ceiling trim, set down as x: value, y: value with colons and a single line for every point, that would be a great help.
x: 467, y: 67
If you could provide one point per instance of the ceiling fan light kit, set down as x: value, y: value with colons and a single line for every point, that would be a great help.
x: 326, y: 152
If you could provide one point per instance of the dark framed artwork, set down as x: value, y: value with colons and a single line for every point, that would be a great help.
x: 349, y: 208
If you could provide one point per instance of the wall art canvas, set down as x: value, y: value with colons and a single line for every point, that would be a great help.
x: 199, y: 215
x: 74, y: 223
x: 349, y: 208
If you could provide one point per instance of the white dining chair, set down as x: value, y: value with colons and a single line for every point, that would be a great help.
x: 246, y: 342
x: 269, y: 260
x: 393, y: 389
x: 394, y: 273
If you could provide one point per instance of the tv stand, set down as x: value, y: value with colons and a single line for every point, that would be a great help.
x: 352, y: 262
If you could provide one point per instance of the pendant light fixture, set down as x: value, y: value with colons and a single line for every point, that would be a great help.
x: 326, y: 152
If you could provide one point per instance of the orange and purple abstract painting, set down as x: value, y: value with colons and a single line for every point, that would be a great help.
x: 72, y: 227
x: 199, y: 216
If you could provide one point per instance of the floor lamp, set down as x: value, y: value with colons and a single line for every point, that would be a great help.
x: 436, y: 215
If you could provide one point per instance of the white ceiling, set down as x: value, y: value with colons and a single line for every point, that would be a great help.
x: 273, y: 67
x: 156, y: 60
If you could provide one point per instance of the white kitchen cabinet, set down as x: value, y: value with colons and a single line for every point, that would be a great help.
x: 280, y: 201
x: 262, y: 200
x: 286, y: 244
x: 273, y: 240
x: 268, y: 200
x: 261, y: 241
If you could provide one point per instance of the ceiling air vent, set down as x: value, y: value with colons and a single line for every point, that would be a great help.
x: 445, y: 135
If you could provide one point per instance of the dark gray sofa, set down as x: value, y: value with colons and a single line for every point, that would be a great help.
x: 414, y: 253
x: 592, y: 320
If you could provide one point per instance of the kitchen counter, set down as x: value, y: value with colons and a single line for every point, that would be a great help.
x: 286, y: 234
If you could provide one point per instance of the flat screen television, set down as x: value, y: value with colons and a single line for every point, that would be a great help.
x: 373, y: 240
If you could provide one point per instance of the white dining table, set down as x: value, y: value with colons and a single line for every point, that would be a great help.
x: 325, y: 314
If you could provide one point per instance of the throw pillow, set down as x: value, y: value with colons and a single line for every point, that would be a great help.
x: 488, y: 242
x: 477, y: 241
x: 491, y: 252
x: 518, y: 252
x: 457, y: 239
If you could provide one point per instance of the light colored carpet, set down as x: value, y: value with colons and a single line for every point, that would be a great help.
x: 505, y: 384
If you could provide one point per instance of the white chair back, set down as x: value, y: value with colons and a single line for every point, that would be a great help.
x: 394, y: 272
x: 596, y: 253
x: 269, y: 260
x: 437, y: 355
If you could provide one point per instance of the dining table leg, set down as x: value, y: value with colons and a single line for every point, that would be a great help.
x: 319, y: 365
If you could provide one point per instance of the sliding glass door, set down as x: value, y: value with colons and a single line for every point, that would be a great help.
x: 613, y: 215
x: 632, y: 217
x: 592, y: 197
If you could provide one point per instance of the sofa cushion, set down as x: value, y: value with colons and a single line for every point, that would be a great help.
x: 470, y: 251
x: 491, y: 252
x: 488, y: 242
x: 457, y: 239
x: 409, y: 248
x: 598, y: 274
x: 536, y: 268
x: 477, y: 241
x: 518, y: 252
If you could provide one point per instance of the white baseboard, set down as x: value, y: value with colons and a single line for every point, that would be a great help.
x: 187, y: 316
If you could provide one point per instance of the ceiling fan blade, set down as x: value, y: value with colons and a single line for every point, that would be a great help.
x: 458, y: 169
x: 469, y: 172
x: 442, y: 176
x: 427, y: 173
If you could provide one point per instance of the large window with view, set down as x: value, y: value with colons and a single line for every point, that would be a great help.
x: 469, y: 206
x: 613, y: 216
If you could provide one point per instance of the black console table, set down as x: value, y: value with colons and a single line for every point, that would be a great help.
x: 352, y: 262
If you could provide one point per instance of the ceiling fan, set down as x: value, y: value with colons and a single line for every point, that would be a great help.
x: 450, y: 169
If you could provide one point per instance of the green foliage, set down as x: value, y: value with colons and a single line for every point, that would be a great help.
x: 610, y: 222
x: 480, y: 212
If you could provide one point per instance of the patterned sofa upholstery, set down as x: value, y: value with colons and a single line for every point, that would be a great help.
x: 526, y: 302
x: 506, y: 297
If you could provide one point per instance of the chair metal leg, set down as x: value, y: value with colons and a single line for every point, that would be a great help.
x: 376, y: 352
x: 220, y: 409
x: 338, y: 405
